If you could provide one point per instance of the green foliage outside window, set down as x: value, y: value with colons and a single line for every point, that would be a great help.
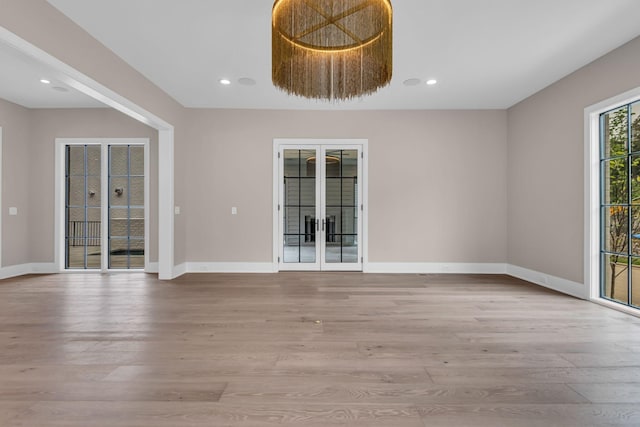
x: 621, y: 189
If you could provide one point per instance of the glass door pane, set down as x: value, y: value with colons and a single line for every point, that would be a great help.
x: 126, y: 206
x: 82, y: 206
x: 341, y: 222
x: 299, y: 207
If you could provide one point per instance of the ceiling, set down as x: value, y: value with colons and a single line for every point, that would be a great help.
x: 20, y: 77
x: 485, y: 54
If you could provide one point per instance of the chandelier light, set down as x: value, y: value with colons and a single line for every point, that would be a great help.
x: 331, y: 49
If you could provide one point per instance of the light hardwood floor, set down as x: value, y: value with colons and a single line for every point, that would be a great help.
x: 311, y: 349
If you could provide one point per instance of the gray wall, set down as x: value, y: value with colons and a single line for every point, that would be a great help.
x: 546, y: 164
x: 437, y: 181
x: 16, y: 174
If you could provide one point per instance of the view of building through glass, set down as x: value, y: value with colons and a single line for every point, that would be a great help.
x: 84, y: 207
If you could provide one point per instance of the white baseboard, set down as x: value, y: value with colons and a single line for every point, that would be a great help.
x: 230, y: 267
x: 152, y: 267
x: 44, y: 268
x: 14, y: 271
x: 559, y: 284
x: 435, y: 268
x: 24, y: 269
x: 179, y: 270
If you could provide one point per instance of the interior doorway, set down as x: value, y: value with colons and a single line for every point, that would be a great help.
x: 102, y: 204
x: 320, y: 207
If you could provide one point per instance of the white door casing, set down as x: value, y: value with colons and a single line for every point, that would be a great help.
x: 321, y: 261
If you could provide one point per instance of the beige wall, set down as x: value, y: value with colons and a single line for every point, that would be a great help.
x: 49, y: 124
x: 14, y: 121
x: 546, y: 164
x: 437, y: 181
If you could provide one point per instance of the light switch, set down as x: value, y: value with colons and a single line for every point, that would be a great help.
x: 176, y: 210
x: 234, y: 211
x: 13, y: 211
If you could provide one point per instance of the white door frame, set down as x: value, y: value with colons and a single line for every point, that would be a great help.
x: 280, y: 144
x: 1, y: 242
x: 60, y: 197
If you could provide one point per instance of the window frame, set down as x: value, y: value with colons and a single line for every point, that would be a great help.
x: 592, y: 200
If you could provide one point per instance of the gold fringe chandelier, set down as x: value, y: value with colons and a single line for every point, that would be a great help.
x: 331, y: 49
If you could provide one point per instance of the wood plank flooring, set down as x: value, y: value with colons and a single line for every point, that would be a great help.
x: 311, y: 349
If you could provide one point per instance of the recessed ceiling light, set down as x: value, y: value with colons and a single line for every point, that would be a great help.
x: 431, y: 82
x: 246, y: 81
x: 45, y: 81
x: 411, y: 82
x: 225, y: 82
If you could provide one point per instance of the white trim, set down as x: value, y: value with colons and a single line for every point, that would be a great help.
x: 275, y: 229
x: 59, y: 194
x: 559, y: 284
x: 591, y: 203
x: 364, y: 221
x: 618, y: 307
x: 147, y: 205
x: 43, y: 268
x: 24, y: 269
x: 1, y: 216
x: 15, y: 271
x: 152, y: 267
x: 104, y: 206
x: 555, y: 283
x: 92, y: 88
x: 179, y: 270
x: 166, y: 208
x: 592, y: 195
x: 435, y: 268
x: 229, y: 267
x: 321, y: 209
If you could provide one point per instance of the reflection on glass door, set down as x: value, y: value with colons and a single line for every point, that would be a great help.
x: 104, y: 196
x: 320, y: 199
x: 341, y: 206
x: 300, y: 213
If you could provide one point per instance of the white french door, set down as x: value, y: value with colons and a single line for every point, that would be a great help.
x: 320, y: 207
x: 102, y: 200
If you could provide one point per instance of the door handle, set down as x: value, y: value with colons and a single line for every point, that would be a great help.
x: 317, y: 225
x: 322, y: 224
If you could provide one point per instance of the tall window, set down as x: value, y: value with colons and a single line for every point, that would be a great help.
x: 620, y: 205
